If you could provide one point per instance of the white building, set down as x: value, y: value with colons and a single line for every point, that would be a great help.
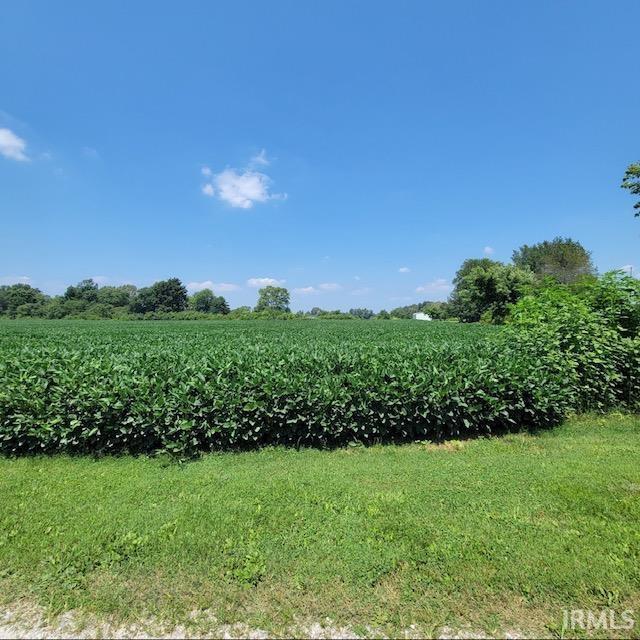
x: 422, y: 316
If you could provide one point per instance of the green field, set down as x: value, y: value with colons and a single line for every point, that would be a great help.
x: 183, y: 388
x: 493, y: 533
x: 251, y: 498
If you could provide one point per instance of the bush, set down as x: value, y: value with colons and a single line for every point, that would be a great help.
x: 596, y: 356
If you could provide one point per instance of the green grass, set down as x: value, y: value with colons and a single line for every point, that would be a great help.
x: 497, y: 532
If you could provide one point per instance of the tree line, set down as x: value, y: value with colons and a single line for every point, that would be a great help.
x: 484, y: 290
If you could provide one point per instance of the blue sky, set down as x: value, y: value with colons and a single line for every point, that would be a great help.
x: 356, y: 151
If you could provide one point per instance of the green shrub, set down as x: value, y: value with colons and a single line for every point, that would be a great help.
x: 595, y: 354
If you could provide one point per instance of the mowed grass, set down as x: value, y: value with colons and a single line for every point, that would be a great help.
x: 495, y: 533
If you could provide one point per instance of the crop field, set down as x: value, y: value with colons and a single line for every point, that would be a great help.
x: 182, y: 388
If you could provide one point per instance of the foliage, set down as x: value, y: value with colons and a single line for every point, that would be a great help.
x: 616, y: 297
x: 485, y: 289
x: 86, y: 290
x: 600, y: 365
x: 16, y: 295
x: 114, y: 387
x: 363, y: 314
x: 109, y: 388
x: 563, y: 259
x: 116, y: 296
x: 206, y: 302
x: 631, y: 181
x: 273, y: 298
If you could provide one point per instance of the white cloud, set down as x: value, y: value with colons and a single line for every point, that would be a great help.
x: 256, y: 283
x: 5, y: 280
x: 225, y: 286
x: 214, y: 286
x: 261, y: 159
x: 90, y: 152
x: 361, y: 292
x: 437, y: 286
x: 329, y: 286
x: 241, y: 188
x: 404, y: 270
x: 488, y: 251
x: 305, y: 290
x: 12, y: 146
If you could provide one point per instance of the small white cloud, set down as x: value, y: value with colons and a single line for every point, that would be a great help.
x: 225, y: 286
x: 214, y: 286
x: 243, y: 188
x: 305, y: 290
x: 361, y: 292
x: 256, y: 283
x: 437, y: 286
x: 404, y: 270
x: 90, y: 152
x: 488, y: 251
x: 8, y: 280
x: 329, y: 286
x: 261, y: 159
x: 12, y: 146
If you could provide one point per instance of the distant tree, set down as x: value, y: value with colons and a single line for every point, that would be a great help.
x: 170, y: 295
x: 631, y: 181
x: 207, y: 302
x: 274, y: 298
x: 144, y: 301
x: 363, y: 314
x: 164, y: 295
x: 220, y: 306
x: 15, y: 295
x: 437, y: 310
x: 487, y: 289
x: 563, y: 259
x: 383, y: 314
x: 116, y: 296
x: 202, y: 301
x: 85, y: 290
x: 316, y: 311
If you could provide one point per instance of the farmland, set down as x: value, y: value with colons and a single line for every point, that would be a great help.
x: 106, y: 387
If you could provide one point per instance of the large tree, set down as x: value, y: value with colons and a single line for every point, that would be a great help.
x: 15, y: 295
x: 484, y: 289
x: 562, y: 259
x: 207, y: 302
x: 170, y: 295
x: 86, y: 290
x: 631, y: 181
x: 164, y: 295
x: 274, y: 298
x: 117, y: 296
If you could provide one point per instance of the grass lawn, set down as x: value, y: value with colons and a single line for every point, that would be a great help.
x: 491, y: 534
